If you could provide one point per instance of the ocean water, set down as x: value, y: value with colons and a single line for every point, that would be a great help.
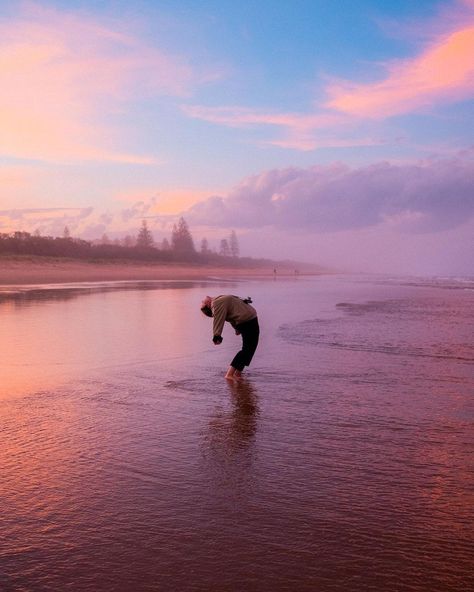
x: 343, y: 462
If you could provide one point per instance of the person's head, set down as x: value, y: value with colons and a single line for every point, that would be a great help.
x: 206, y: 305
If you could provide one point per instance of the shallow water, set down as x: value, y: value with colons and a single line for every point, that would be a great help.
x: 343, y: 462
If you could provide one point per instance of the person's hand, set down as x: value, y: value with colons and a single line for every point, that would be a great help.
x: 217, y: 339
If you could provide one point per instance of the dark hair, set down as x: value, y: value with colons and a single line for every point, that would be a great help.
x: 207, y: 311
x: 247, y: 300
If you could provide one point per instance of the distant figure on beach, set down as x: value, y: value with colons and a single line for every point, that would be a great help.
x: 243, y: 318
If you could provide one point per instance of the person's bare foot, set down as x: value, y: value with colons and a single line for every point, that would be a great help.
x: 230, y: 374
x: 233, y: 374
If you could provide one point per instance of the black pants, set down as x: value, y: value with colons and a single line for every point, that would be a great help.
x: 250, y: 332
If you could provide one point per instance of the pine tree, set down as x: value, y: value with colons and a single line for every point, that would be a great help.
x: 145, y: 237
x: 224, y: 250
x: 181, y: 239
x: 234, y: 244
x: 204, y: 246
x: 165, y: 244
x: 127, y: 241
x: 66, y: 233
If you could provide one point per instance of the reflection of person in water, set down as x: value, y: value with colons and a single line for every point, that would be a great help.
x: 243, y: 318
x: 244, y: 416
x: 229, y: 446
x: 233, y: 430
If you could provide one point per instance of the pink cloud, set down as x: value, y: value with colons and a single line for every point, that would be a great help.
x: 443, y: 72
x: 47, y: 220
x: 160, y: 210
x: 60, y: 73
x: 306, y: 141
x: 300, y: 129
x: 166, y: 201
x: 426, y: 196
x: 244, y: 117
x: 301, y: 132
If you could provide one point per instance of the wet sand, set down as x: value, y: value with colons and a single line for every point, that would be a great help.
x: 39, y: 270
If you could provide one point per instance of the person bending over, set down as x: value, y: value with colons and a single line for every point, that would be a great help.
x: 243, y: 318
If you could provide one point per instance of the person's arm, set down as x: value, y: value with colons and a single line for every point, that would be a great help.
x: 219, y: 311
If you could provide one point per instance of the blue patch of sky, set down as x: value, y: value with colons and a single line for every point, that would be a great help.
x: 443, y: 127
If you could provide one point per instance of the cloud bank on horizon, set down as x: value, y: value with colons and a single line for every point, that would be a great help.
x: 302, y: 124
x: 419, y: 197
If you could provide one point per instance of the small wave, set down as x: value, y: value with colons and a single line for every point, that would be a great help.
x: 424, y: 327
x: 344, y: 343
x: 442, y: 282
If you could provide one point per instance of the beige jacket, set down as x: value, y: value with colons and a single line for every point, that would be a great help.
x: 231, y: 309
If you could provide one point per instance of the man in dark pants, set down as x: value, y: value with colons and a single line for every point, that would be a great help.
x: 243, y: 318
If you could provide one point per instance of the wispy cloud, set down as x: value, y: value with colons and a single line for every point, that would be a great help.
x: 242, y: 117
x: 92, y: 223
x: 46, y: 220
x: 300, y: 130
x: 62, y: 74
x: 443, y: 72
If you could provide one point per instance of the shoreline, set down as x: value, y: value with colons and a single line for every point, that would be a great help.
x: 36, y: 270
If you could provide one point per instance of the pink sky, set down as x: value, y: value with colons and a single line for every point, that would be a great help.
x: 105, y: 112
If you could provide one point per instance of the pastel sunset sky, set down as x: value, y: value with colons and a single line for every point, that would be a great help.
x: 329, y: 131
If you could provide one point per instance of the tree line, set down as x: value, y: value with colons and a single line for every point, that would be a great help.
x: 180, y: 246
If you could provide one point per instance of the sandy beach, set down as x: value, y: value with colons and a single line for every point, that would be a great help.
x: 39, y: 270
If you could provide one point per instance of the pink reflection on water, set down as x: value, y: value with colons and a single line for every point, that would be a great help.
x: 59, y: 335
